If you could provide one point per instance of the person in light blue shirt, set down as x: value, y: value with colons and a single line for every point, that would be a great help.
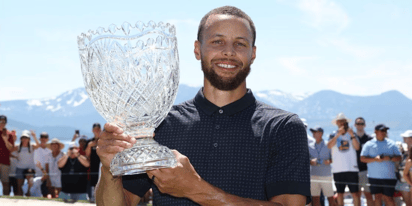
x: 320, y: 169
x: 381, y: 154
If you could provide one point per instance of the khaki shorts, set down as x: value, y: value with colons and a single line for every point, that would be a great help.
x: 363, y: 181
x: 321, y: 183
x: 4, y: 173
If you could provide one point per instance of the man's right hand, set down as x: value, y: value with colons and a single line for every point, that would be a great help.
x: 111, y: 141
x: 341, y: 130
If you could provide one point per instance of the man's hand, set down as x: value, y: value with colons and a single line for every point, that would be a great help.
x: 179, y: 181
x: 327, y: 162
x: 314, y: 161
x: 378, y: 159
x: 350, y: 130
x: 111, y: 141
x: 33, y: 133
x: 341, y: 130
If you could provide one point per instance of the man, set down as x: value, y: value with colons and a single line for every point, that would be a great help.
x: 52, y: 168
x: 381, y: 154
x: 94, y: 160
x: 6, y: 145
x: 74, y: 182
x: 320, y: 170
x: 40, y: 155
x: 360, y: 125
x: 344, y: 145
x: 241, y: 151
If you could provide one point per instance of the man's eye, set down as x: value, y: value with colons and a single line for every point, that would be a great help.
x: 217, y: 42
x: 241, y: 44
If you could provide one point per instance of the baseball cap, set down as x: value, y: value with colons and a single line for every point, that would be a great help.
x: 381, y: 127
x: 316, y: 129
x: 25, y: 133
x: 73, y: 144
x: 44, y: 134
x: 407, y: 133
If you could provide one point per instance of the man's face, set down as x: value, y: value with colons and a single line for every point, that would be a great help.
x: 2, y: 124
x: 44, y: 139
x: 360, y: 125
x: 317, y: 135
x: 55, y: 146
x: 340, y: 122
x: 381, y: 134
x: 96, y: 131
x: 226, y: 51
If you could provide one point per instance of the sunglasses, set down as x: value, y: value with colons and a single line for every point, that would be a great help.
x: 360, y: 124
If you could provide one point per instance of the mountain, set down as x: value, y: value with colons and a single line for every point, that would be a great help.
x: 72, y: 110
x: 392, y: 108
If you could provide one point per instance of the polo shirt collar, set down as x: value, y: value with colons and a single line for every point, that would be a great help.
x: 209, y: 108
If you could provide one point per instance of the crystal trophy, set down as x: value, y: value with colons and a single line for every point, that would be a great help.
x: 131, y: 74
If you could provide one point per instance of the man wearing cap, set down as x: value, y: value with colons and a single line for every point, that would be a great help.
x: 344, y: 144
x: 320, y: 170
x: 74, y: 169
x: 380, y: 154
x: 52, y: 168
x: 91, y: 154
x: 6, y: 146
x: 360, y: 125
x: 40, y: 155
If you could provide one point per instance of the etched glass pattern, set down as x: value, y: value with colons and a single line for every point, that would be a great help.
x: 131, y: 74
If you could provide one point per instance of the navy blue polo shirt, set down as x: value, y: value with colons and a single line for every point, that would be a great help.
x: 246, y: 148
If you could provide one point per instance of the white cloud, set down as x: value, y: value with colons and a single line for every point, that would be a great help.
x: 324, y: 14
x: 292, y: 64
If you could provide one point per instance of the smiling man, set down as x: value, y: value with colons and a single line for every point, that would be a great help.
x: 231, y: 149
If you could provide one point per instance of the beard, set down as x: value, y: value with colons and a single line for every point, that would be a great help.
x: 221, y: 83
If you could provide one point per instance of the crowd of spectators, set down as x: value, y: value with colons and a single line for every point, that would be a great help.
x: 42, y: 169
x: 372, y: 165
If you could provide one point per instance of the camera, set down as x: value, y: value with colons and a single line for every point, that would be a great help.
x: 346, y: 126
x: 77, y: 131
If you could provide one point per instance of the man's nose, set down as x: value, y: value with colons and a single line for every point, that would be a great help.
x: 228, y: 50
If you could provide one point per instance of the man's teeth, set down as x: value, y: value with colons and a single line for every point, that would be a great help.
x: 226, y: 66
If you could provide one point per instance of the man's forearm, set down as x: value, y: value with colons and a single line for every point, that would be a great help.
x: 332, y: 142
x: 367, y: 159
x: 213, y: 196
x: 110, y: 192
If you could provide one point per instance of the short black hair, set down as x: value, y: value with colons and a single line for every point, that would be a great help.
x: 96, y: 125
x: 3, y: 117
x: 361, y: 118
x: 229, y: 10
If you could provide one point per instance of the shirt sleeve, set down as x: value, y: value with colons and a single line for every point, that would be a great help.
x: 289, y: 169
x: 365, y: 150
x: 396, y: 151
x: 137, y: 184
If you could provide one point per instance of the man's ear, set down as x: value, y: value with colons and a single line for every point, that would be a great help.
x: 197, y: 49
x: 253, y: 54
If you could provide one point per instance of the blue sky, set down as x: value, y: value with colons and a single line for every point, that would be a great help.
x: 353, y: 47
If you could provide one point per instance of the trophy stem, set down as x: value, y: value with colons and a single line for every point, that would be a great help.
x: 146, y: 154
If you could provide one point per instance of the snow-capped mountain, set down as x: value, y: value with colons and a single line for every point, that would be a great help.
x: 72, y: 110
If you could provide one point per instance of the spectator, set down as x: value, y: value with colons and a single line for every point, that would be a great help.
x: 6, y: 146
x: 52, y: 168
x: 40, y: 155
x: 360, y: 125
x: 344, y: 144
x: 33, y: 186
x: 25, y: 158
x: 405, y: 169
x: 12, y: 174
x: 94, y: 160
x: 320, y: 170
x: 82, y: 142
x: 74, y: 179
x: 381, y: 154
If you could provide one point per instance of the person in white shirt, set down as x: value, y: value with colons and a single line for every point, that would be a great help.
x: 344, y: 144
x: 52, y: 168
x: 40, y: 155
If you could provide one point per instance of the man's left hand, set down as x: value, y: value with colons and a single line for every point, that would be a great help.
x: 179, y: 181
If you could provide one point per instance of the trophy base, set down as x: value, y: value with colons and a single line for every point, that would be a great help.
x: 146, y: 154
